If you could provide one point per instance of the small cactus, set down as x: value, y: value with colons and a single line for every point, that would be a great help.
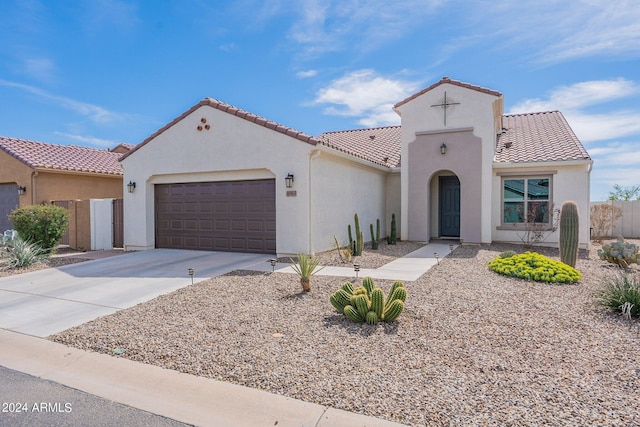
x: 359, y: 243
x: 393, y: 237
x: 367, y: 302
x: 620, y: 253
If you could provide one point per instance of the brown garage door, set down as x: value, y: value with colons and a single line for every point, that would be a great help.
x: 8, y: 202
x: 236, y: 216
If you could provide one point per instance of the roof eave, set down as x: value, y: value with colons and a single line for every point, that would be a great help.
x: 547, y: 163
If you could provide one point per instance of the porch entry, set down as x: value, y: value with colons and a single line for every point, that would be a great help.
x: 449, y: 206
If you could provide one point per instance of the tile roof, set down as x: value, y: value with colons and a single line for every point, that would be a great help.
x: 235, y: 111
x: 538, y: 137
x: 39, y: 155
x: 447, y: 80
x: 378, y: 145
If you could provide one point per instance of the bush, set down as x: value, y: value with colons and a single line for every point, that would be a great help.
x: 620, y: 253
x: 41, y: 224
x: 623, y: 289
x: 507, y: 254
x: 533, y: 266
x: 602, y: 219
x: 22, y: 253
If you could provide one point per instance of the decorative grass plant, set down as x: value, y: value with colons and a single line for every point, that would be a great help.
x: 622, y: 292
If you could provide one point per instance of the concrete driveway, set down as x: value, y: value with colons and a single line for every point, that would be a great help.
x: 48, y: 301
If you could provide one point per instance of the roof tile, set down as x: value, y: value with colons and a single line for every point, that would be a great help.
x: 447, y: 80
x: 538, y: 137
x: 378, y: 145
x: 62, y: 157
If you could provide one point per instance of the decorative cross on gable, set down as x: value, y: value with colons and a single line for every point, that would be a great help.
x: 444, y: 105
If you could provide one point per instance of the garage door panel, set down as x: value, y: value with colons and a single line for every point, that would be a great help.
x: 221, y: 216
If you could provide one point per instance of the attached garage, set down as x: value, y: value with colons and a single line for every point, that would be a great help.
x: 9, y: 200
x: 235, y: 216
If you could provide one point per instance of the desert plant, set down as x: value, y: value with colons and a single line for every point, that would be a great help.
x: 375, y: 238
x: 622, y: 294
x: 620, y: 253
x: 22, y: 253
x: 393, y: 235
x: 507, y: 254
x: 366, y: 303
x: 43, y: 225
x: 306, y: 267
x: 533, y: 266
x: 602, y: 219
x: 536, y: 226
x: 569, y: 233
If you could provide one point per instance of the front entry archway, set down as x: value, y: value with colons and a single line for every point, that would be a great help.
x: 449, y: 206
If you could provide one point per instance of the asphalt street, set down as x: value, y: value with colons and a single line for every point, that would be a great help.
x: 33, y: 402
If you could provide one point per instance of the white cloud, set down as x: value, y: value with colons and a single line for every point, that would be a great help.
x: 573, y: 101
x: 89, y: 140
x: 95, y: 113
x: 366, y: 95
x: 306, y: 74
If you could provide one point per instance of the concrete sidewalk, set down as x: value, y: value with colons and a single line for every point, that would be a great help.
x: 182, y: 397
x: 407, y: 268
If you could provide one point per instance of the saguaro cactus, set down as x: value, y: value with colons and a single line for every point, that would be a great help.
x: 359, y: 242
x: 569, y: 233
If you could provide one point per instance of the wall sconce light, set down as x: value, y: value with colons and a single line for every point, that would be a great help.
x: 21, y: 190
x: 289, y: 180
x: 191, y: 273
x: 273, y: 264
x: 356, y: 268
x: 437, y: 257
x: 131, y: 186
x: 443, y: 148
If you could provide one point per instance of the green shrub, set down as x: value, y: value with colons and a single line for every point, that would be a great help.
x: 22, y: 253
x: 533, y: 266
x: 623, y: 289
x: 41, y: 224
x: 620, y: 253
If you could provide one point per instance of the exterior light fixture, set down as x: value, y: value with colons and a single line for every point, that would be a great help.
x: 191, y: 272
x: 273, y: 264
x: 21, y: 190
x: 443, y: 148
x: 131, y: 186
x: 289, y: 180
x: 437, y: 257
x: 356, y: 268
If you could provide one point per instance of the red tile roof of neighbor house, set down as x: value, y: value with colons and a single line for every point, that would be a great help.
x: 378, y: 145
x: 40, y: 155
x: 538, y: 137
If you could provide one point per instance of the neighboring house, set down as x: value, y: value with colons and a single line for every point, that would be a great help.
x: 220, y: 178
x: 35, y: 173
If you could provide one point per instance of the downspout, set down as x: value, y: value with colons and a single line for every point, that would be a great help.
x: 312, y: 155
x: 34, y: 174
x: 588, y: 245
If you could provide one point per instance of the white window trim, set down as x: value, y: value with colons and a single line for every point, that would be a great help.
x: 535, y: 175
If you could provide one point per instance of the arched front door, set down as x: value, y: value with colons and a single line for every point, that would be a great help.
x: 449, y: 206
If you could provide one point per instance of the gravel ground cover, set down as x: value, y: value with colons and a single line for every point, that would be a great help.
x: 471, y: 348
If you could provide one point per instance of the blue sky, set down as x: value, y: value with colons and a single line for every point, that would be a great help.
x: 101, y: 72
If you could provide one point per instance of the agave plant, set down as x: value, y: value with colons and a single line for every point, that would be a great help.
x: 305, y: 267
x: 22, y: 253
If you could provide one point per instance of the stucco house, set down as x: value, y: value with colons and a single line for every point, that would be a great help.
x: 35, y: 173
x: 220, y: 178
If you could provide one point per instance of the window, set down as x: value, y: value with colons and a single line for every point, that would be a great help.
x: 526, y: 200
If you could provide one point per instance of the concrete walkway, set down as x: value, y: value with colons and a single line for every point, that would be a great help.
x: 407, y: 268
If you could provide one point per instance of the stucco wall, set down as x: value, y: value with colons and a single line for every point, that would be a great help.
x: 475, y: 110
x: 233, y: 148
x: 341, y: 188
x: 14, y: 171
x: 569, y: 182
x: 426, y: 163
